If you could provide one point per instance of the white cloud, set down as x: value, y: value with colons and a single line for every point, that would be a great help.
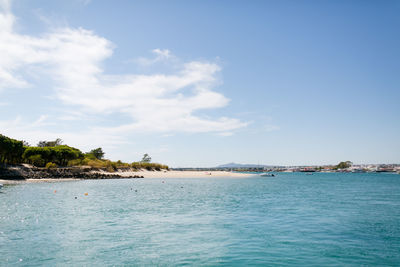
x: 33, y: 132
x: 74, y: 59
x: 160, y: 55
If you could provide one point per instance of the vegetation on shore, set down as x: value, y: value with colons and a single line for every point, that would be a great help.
x: 343, y: 165
x: 53, y: 154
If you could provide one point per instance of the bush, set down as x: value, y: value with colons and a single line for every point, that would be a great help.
x: 11, y: 150
x: 120, y: 164
x: 51, y: 165
x: 110, y: 169
x: 59, y: 154
x: 148, y: 166
x: 95, y: 164
x: 37, y: 160
x: 90, y: 156
x: 75, y: 162
x: 111, y: 166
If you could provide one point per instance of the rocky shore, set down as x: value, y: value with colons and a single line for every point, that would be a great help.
x: 25, y: 171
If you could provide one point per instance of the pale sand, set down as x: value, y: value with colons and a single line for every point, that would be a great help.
x: 186, y: 174
x: 145, y: 174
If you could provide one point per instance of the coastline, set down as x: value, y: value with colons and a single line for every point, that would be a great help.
x: 134, y: 175
x: 185, y: 174
x: 33, y: 181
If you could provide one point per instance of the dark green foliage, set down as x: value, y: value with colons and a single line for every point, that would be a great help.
x: 59, y: 154
x: 146, y: 158
x: 97, y: 153
x: 344, y: 165
x: 36, y: 160
x: 11, y: 150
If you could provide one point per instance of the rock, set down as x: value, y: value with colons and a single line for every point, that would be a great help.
x: 26, y: 171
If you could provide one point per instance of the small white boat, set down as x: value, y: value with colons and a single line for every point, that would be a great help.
x: 265, y: 174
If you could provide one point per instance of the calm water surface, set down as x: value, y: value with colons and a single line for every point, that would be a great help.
x: 291, y: 219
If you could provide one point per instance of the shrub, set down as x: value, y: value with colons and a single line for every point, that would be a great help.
x: 75, y: 162
x: 60, y: 154
x: 110, y: 169
x: 51, y: 165
x: 95, y: 163
x: 11, y: 150
x: 37, y: 160
x: 148, y: 166
x: 110, y: 166
x: 90, y: 156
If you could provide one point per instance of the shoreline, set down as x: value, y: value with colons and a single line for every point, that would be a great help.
x: 34, y: 181
x: 133, y: 175
x: 185, y: 174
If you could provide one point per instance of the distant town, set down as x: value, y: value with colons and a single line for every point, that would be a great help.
x: 341, y: 167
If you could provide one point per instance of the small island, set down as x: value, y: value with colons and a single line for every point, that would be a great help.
x: 53, y: 159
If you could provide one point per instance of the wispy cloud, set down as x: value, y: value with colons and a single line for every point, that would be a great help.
x: 41, y: 120
x: 74, y: 59
x: 160, y: 55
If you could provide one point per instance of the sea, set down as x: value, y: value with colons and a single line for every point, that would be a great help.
x: 292, y: 219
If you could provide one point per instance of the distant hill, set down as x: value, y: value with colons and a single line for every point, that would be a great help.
x: 237, y: 165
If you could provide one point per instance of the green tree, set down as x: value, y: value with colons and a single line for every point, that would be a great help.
x: 11, y: 150
x: 60, y: 154
x: 57, y: 142
x: 31, y: 154
x: 25, y: 143
x: 344, y: 165
x: 146, y: 158
x: 64, y: 153
x: 37, y: 160
x: 97, y: 153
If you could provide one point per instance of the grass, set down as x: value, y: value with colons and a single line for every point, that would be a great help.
x: 112, y: 166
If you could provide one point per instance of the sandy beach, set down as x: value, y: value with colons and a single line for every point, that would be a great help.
x: 145, y: 174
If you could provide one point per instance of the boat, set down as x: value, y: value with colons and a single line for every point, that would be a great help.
x: 1, y: 185
x: 265, y: 174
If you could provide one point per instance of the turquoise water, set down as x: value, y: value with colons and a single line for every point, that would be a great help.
x: 291, y: 219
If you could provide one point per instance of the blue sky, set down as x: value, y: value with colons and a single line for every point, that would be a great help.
x: 202, y: 83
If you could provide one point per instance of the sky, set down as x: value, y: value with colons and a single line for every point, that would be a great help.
x: 203, y: 83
